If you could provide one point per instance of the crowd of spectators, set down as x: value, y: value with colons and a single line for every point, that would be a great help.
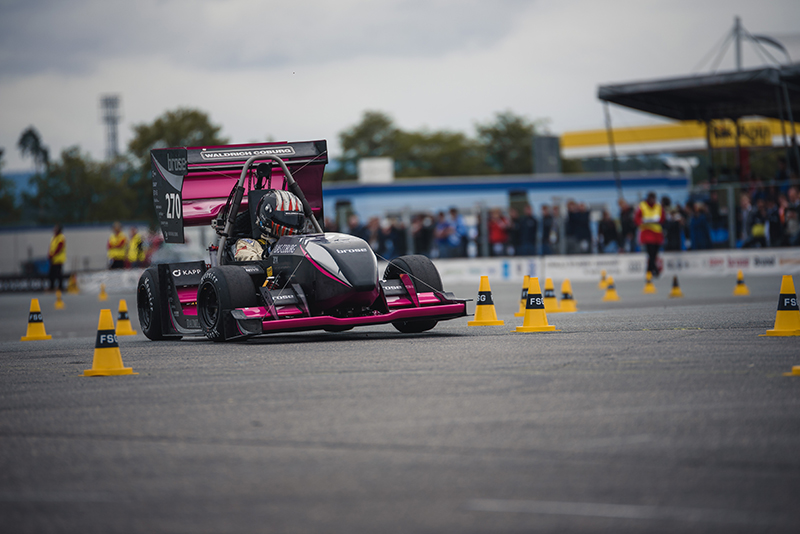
x: 766, y: 216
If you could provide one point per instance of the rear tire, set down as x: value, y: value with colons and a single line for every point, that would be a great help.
x: 148, y: 304
x: 221, y: 290
x: 425, y: 278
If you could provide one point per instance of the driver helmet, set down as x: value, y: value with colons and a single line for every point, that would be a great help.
x: 280, y: 213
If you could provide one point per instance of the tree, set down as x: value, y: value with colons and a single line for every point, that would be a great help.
x: 9, y: 210
x: 182, y: 127
x: 508, y: 142
x: 438, y: 153
x: 373, y: 137
x: 77, y: 189
x: 30, y: 145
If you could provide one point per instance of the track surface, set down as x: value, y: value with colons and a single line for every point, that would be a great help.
x: 647, y: 415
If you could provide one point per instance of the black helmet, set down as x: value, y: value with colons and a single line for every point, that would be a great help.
x: 280, y: 213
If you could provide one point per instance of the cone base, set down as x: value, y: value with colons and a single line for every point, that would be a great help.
x: 548, y: 328
x: 126, y: 333
x: 780, y: 333
x: 567, y: 309
x: 741, y: 292
x: 520, y: 314
x: 35, y: 338
x: 109, y: 372
x: 485, y: 323
x: 651, y: 289
x: 59, y: 306
x: 794, y: 372
x: 614, y: 298
x: 675, y: 294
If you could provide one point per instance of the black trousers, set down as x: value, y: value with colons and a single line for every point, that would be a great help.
x: 56, y: 273
x: 652, y: 256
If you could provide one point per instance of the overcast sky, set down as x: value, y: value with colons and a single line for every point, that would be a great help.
x: 309, y: 69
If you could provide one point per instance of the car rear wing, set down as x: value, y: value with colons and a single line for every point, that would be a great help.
x: 191, y: 185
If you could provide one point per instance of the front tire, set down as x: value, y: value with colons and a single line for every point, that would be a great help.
x: 221, y: 290
x: 425, y: 277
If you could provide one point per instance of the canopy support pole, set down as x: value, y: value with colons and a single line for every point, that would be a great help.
x: 786, y: 145
x: 710, y: 150
x: 794, y: 132
x: 612, y: 147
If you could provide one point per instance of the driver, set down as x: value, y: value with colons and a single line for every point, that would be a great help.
x: 279, y: 213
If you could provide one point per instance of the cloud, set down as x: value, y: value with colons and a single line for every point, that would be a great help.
x: 72, y: 38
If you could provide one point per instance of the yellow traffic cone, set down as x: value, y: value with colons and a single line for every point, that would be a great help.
x: 741, y: 289
x: 603, y: 281
x: 794, y: 372
x: 649, y: 288
x: 676, y: 289
x: 107, y: 358
x: 535, y: 314
x: 72, y: 285
x: 567, y: 303
x: 103, y: 296
x: 611, y: 291
x: 35, y: 324
x: 523, y: 297
x: 485, y: 313
x: 550, y: 300
x: 59, y: 300
x: 787, y: 318
x: 123, y: 321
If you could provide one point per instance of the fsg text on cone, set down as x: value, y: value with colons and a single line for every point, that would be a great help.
x: 107, y: 358
x: 787, y: 318
x: 35, y: 330
x: 535, y: 315
x: 123, y: 320
x: 523, y: 297
x: 485, y: 314
x: 550, y: 300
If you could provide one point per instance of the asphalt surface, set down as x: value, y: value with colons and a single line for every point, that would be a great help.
x: 646, y: 415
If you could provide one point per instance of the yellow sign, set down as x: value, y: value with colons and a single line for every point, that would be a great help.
x: 751, y: 133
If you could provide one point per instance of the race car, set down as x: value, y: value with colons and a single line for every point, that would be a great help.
x: 273, y: 268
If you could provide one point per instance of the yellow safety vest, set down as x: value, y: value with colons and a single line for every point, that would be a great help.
x: 136, y: 249
x: 651, y: 217
x: 116, y: 247
x: 61, y: 257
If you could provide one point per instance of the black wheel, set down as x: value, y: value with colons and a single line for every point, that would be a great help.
x: 222, y: 289
x: 148, y: 304
x: 426, y: 279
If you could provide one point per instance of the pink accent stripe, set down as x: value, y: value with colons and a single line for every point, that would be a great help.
x: 320, y: 269
x: 190, y: 309
x: 187, y: 294
x: 425, y: 299
x: 445, y: 311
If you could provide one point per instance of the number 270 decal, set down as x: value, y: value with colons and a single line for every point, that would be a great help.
x: 173, y: 205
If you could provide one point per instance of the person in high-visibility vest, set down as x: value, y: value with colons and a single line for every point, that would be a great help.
x: 650, y: 219
x: 57, y: 256
x: 136, y: 253
x: 116, y: 248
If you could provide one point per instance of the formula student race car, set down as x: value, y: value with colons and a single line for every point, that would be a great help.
x: 273, y: 267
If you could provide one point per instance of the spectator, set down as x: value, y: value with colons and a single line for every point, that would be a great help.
x: 136, y: 250
x: 571, y: 227
x: 627, y: 226
x: 607, y: 234
x: 742, y: 216
x: 793, y: 217
x: 549, y: 234
x: 447, y: 240
x: 775, y: 217
x: 116, y: 247
x: 700, y: 228
x: 555, y: 232
x: 460, y: 234
x: 354, y: 227
x: 422, y: 233
x: 498, y: 232
x: 757, y: 226
x: 526, y: 231
x: 673, y: 225
x: 650, y: 218
x: 583, y: 229
x: 57, y: 257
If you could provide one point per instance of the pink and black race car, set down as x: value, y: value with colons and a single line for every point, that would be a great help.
x: 303, y: 279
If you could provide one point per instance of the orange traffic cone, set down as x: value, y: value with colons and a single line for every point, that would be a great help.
x: 523, y: 297
x: 535, y: 315
x: 35, y: 324
x: 787, y: 318
x: 794, y: 372
x: 72, y: 285
x: 567, y: 303
x: 649, y: 288
x: 550, y: 300
x: 123, y: 321
x: 676, y: 289
x: 103, y: 296
x: 485, y: 314
x: 107, y: 358
x: 741, y: 289
x: 611, y: 291
x: 59, y: 301
x: 603, y: 281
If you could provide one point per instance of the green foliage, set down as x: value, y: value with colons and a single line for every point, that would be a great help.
x: 503, y: 146
x: 182, y: 127
x: 30, y: 145
x: 77, y: 189
x: 9, y: 211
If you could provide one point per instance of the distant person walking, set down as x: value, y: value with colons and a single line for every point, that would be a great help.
x: 136, y: 252
x: 650, y: 218
x: 116, y: 248
x: 57, y: 256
